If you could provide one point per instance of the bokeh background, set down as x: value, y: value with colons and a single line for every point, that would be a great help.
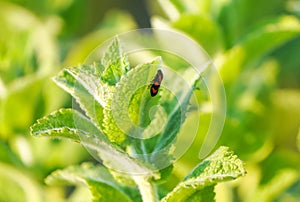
x: 254, y: 44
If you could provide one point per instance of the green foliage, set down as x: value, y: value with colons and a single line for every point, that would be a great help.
x: 269, y: 36
x: 34, y: 41
x: 284, y: 179
x: 102, y: 185
x: 25, y: 63
x: 62, y: 124
x: 23, y: 186
x: 115, y: 63
x: 221, y: 166
x: 254, y: 45
x: 80, y: 129
x: 114, y: 94
x: 256, y: 56
x: 82, y: 84
x: 202, y: 28
x: 175, y: 120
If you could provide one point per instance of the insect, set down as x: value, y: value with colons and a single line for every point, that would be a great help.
x: 156, y: 83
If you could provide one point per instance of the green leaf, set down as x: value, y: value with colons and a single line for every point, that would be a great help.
x: 203, y: 29
x: 290, y: 194
x: 7, y: 155
x: 40, y: 55
x: 115, y: 63
x: 269, y: 168
x: 131, y: 102
x: 64, y: 124
x: 285, y: 116
x: 247, y: 52
x: 175, y: 120
x: 248, y: 101
x: 122, y: 178
x: 164, y: 174
x: 221, y: 166
x: 69, y: 124
x: 17, y: 185
x: 289, y: 74
x: 93, y: 95
x: 102, y: 185
x: 283, y: 179
x: 238, y: 18
x: 114, y: 133
x: 206, y: 194
x: 87, y: 76
x: 87, y: 89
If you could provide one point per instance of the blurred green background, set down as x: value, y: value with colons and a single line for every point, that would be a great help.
x: 254, y: 44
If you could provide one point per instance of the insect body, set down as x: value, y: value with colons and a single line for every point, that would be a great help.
x: 156, y: 83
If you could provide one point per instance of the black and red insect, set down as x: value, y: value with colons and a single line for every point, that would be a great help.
x: 156, y: 83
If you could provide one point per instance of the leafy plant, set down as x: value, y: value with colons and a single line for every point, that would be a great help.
x: 255, y: 46
x: 130, y: 169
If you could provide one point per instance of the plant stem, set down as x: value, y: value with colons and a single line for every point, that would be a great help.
x: 147, y: 189
x: 144, y: 150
